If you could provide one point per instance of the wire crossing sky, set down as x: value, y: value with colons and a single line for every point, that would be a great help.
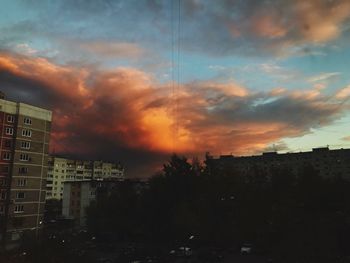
x: 137, y: 80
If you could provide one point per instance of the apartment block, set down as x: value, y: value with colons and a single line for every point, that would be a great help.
x: 61, y: 170
x: 77, y: 195
x: 25, y: 134
x: 327, y: 162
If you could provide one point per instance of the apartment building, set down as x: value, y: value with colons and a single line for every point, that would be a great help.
x: 25, y: 134
x: 61, y: 170
x: 327, y: 162
x: 77, y: 195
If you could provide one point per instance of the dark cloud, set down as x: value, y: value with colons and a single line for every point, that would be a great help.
x: 124, y: 114
x: 252, y: 27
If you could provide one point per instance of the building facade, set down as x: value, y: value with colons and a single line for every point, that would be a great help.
x: 78, y: 195
x: 25, y: 135
x: 327, y: 162
x: 62, y: 170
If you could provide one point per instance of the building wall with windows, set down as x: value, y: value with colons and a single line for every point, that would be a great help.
x: 62, y: 170
x: 77, y: 195
x: 327, y: 162
x: 24, y: 144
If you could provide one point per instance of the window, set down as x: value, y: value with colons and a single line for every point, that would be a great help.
x: 26, y: 133
x: 27, y: 121
x: 5, y: 169
x: 23, y: 170
x: 24, y: 157
x: 21, y: 182
x: 10, y: 118
x: 19, y: 209
x: 8, y: 131
x: 2, y: 209
x: 2, y: 182
x: 2, y: 195
x: 20, y: 195
x: 6, y: 156
x: 25, y: 145
x: 8, y: 143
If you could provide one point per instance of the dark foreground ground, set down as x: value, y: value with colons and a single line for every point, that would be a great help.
x: 80, y: 246
x: 89, y: 250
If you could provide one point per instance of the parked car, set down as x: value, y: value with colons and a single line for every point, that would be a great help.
x: 246, y: 249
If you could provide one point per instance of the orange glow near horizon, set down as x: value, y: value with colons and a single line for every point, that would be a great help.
x: 128, y: 107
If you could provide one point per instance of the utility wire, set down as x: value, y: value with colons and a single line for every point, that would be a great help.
x: 175, y: 87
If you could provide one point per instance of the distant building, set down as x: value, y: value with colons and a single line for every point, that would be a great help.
x: 77, y: 195
x: 327, y: 162
x: 25, y: 134
x: 61, y: 170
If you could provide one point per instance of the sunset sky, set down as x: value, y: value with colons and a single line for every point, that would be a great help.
x: 137, y: 80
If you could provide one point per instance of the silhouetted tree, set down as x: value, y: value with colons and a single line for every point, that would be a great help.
x: 295, y: 213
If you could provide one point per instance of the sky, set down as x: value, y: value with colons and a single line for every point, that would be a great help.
x: 135, y: 81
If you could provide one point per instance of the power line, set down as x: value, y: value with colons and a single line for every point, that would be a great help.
x: 175, y: 87
x: 172, y: 71
x: 178, y: 69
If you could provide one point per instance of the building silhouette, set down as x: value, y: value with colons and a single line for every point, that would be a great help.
x: 327, y: 162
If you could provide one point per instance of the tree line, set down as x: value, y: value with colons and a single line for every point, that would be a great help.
x: 281, y: 212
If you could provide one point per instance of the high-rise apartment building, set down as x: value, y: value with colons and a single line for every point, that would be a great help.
x: 61, y: 170
x: 24, y: 144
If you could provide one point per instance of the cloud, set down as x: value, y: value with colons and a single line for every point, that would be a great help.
x: 324, y: 76
x: 109, y: 49
x: 25, y: 49
x: 278, y: 146
x: 268, y: 26
x: 346, y: 138
x: 251, y: 27
x: 343, y: 93
x: 125, y: 114
x: 321, y: 21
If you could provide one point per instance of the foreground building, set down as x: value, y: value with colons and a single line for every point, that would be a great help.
x: 61, y: 170
x: 25, y: 134
x: 77, y: 195
x: 328, y: 163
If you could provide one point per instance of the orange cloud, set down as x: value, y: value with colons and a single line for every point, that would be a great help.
x: 343, y: 93
x: 112, y: 49
x: 320, y: 21
x: 98, y: 111
x: 269, y: 26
